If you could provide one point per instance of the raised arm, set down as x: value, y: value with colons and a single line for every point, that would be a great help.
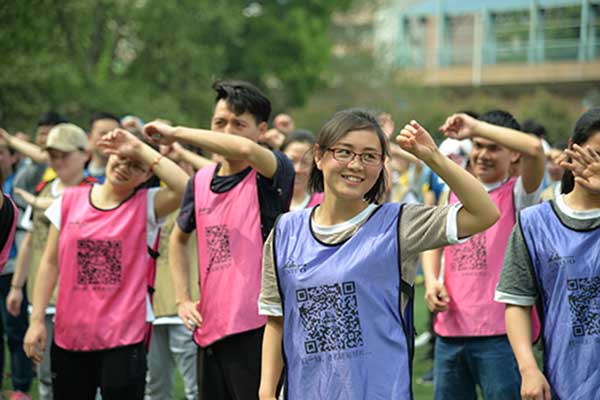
x: 122, y: 143
x: 478, y: 212
x: 462, y: 126
x: 31, y: 150
x: 177, y: 152
x: 232, y: 147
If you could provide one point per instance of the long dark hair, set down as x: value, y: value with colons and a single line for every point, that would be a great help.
x: 586, y: 126
x: 337, y: 127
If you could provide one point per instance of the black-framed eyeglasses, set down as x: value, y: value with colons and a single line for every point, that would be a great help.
x: 369, y: 158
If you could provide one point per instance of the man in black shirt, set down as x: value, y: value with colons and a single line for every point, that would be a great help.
x: 232, y: 207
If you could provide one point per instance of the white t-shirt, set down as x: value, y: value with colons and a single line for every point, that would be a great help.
x: 522, y: 198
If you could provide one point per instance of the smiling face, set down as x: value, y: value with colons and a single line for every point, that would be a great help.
x: 123, y: 172
x: 350, y: 180
x: 490, y: 161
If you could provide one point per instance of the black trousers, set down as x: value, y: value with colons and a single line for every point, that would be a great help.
x: 120, y: 373
x: 230, y: 368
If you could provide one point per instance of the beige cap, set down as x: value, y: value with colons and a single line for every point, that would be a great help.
x: 67, y: 138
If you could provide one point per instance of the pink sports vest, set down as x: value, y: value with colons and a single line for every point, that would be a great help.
x: 471, y: 272
x: 229, y: 257
x: 316, y: 199
x: 5, y: 251
x: 103, y: 273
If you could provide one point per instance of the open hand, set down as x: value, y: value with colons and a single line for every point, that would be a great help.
x: 584, y: 163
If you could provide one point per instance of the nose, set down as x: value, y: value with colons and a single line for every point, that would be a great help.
x: 483, y: 153
x: 229, y: 128
x: 355, y: 162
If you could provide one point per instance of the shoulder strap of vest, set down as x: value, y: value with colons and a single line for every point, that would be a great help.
x: 538, y: 303
x: 40, y: 186
x: 153, y: 253
x: 407, y: 289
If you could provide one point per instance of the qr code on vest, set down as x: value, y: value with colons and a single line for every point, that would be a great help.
x: 218, y: 245
x: 584, y: 303
x: 471, y: 255
x: 98, y: 262
x: 329, y: 314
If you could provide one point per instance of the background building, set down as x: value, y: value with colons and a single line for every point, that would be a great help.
x: 493, y: 42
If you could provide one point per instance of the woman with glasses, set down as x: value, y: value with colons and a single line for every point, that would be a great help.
x: 337, y: 278
x: 98, y: 239
x: 298, y: 147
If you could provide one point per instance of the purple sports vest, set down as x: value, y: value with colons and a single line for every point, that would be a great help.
x: 344, y: 334
x: 567, y: 268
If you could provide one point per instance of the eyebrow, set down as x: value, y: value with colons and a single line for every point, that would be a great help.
x: 478, y: 143
x: 368, y: 148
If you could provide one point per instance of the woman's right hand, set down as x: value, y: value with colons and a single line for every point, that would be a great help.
x: 35, y: 341
x: 189, y: 314
x: 436, y: 296
x: 14, y: 301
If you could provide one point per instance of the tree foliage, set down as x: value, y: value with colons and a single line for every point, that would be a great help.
x: 154, y: 57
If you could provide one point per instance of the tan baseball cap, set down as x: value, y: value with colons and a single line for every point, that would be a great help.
x: 67, y: 138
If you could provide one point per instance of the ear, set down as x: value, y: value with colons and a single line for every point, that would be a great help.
x: 570, y: 143
x: 318, y: 155
x: 263, y: 127
x: 514, y: 156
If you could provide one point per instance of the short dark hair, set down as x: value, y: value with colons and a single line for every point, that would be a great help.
x: 52, y: 118
x: 103, y: 115
x: 299, y: 136
x: 337, y: 127
x: 587, y: 125
x: 243, y: 97
x: 500, y: 118
x: 532, y: 126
